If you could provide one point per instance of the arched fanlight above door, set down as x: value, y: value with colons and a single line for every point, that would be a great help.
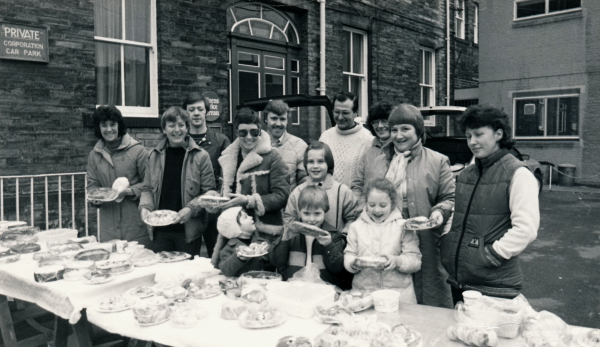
x: 262, y: 21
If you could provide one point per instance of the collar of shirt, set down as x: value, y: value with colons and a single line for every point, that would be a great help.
x: 280, y: 141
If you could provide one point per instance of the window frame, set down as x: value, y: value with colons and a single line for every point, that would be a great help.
x: 429, y: 120
x: 459, y: 15
x: 476, y: 25
x: 135, y: 111
x: 547, y: 11
x: 363, y: 98
x: 546, y: 95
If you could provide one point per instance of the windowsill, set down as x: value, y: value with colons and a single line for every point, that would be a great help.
x: 548, y: 18
x: 132, y: 122
x: 569, y: 139
x: 458, y: 39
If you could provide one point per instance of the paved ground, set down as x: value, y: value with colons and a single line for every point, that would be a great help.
x: 562, y: 266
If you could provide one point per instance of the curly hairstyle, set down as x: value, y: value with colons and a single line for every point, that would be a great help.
x: 245, y: 115
x: 313, y: 197
x: 171, y: 114
x: 318, y: 145
x: 383, y: 185
x: 380, y: 110
x: 477, y: 116
x: 108, y: 112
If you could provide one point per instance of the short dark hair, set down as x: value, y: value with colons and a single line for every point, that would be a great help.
x: 171, y: 114
x: 380, y: 110
x: 245, y: 115
x: 313, y: 197
x: 108, y: 112
x: 343, y: 96
x: 477, y: 116
x: 318, y: 145
x: 276, y: 106
x: 193, y: 98
x: 408, y: 114
x: 383, y: 185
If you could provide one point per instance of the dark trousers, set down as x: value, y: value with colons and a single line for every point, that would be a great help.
x: 169, y: 241
x: 457, y: 295
x: 210, y: 234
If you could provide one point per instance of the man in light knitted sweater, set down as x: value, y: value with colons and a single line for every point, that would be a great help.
x: 347, y: 139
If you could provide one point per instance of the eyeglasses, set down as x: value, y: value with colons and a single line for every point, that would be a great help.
x: 244, y: 132
x: 378, y: 122
x: 344, y: 113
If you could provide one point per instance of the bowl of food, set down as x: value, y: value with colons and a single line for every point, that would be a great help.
x: 152, y: 311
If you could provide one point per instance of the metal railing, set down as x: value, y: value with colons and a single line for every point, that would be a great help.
x: 18, y: 180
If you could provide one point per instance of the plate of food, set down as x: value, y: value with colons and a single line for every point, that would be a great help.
x: 212, y: 201
x: 254, y: 250
x: 115, y: 304
x: 160, y: 218
x: 95, y: 277
x: 334, y: 314
x: 259, y: 316
x: 102, y: 194
x: 114, y: 267
x: 151, y: 311
x: 169, y: 257
x: 140, y: 292
x: 207, y: 291
x: 420, y: 223
x: 93, y: 254
x: 355, y: 301
x: 370, y: 262
x: 308, y: 230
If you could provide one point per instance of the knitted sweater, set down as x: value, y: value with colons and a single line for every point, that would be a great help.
x: 347, y: 146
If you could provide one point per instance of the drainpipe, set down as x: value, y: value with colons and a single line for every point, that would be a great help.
x: 448, y: 53
x: 322, y: 88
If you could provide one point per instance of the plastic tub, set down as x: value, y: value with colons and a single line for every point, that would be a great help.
x: 386, y: 300
x: 470, y: 296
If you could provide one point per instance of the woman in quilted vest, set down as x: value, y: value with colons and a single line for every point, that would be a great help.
x: 496, y: 214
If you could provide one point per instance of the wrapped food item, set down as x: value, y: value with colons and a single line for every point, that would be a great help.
x: 74, y: 270
x: 95, y: 277
x: 261, y: 315
x: 168, y: 257
x: 116, y: 304
x: 120, y: 185
x: 62, y: 247
x: 259, y: 277
x: 151, y: 311
x: 231, y: 310
x: 334, y: 314
x: 588, y: 338
x: 25, y: 248
x: 370, y: 262
x: 169, y: 291
x: 83, y: 240
x: 355, y: 300
x: 114, y: 267
x: 472, y: 335
x: 9, y: 257
x: 186, y: 314
x: 359, y: 335
x: 253, y: 250
x: 143, y: 257
x: 212, y: 201
x: 15, y: 238
x: 49, y: 273
x: 308, y: 229
x: 544, y: 329
x: 410, y: 336
x: 253, y: 293
x: 140, y: 292
x: 8, y: 224
x: 228, y: 283
x: 204, y: 292
x: 294, y: 341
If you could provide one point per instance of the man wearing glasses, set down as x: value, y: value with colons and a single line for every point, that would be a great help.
x: 254, y: 176
x: 347, y: 139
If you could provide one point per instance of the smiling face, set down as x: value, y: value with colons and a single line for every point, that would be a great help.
x: 197, y: 113
x: 316, y: 164
x: 404, y: 137
x: 109, y: 130
x: 343, y: 114
x: 312, y: 216
x: 176, y: 132
x: 379, y: 205
x: 382, y: 129
x: 245, y: 134
x: 483, y: 141
x: 276, y: 125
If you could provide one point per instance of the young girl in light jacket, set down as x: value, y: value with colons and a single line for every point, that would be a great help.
x: 379, y: 232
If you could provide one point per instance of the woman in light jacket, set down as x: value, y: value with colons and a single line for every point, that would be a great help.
x: 115, y: 155
x: 425, y: 186
x: 178, y: 171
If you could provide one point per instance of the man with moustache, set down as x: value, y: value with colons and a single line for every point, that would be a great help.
x: 289, y: 146
x: 347, y: 139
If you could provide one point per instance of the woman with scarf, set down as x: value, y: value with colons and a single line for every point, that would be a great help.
x: 255, y: 177
x: 425, y: 187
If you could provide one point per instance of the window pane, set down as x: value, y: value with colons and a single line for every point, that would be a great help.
x: 552, y: 117
x: 278, y: 35
x: 274, y: 62
x: 295, y: 66
x: 295, y: 115
x: 529, y: 117
x: 291, y: 34
x: 531, y: 8
x: 108, y: 74
x: 137, y: 76
x: 561, y: 5
x: 246, y: 11
x: 248, y: 86
x: 427, y: 68
x: 273, y: 85
x: 274, y: 17
x: 426, y: 97
x: 357, y: 47
x: 563, y: 116
x: 248, y: 59
x: 346, y: 44
x: 107, y: 18
x: 137, y: 20
x: 261, y: 29
x: 243, y: 28
x: 295, y: 85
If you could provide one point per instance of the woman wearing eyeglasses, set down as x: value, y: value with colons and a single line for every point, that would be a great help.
x: 377, y: 123
x: 177, y: 172
x: 255, y: 176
